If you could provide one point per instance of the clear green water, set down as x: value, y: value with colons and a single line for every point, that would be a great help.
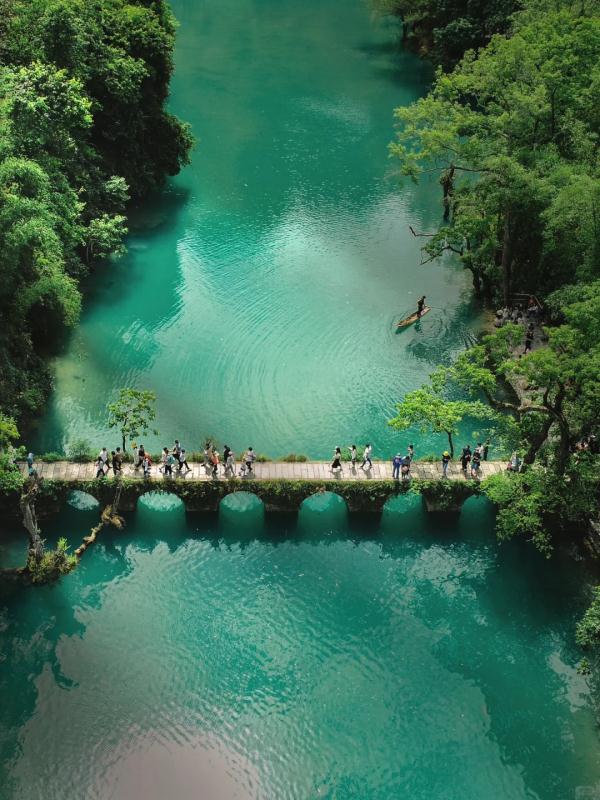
x: 260, y: 291
x: 406, y: 659
x: 205, y: 659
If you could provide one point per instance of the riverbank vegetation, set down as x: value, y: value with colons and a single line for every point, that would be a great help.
x: 83, y: 130
x: 443, y: 30
x: 511, y: 133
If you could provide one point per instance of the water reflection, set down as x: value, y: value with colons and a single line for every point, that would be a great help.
x: 180, y: 656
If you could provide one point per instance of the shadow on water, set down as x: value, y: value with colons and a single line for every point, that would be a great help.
x: 148, y: 224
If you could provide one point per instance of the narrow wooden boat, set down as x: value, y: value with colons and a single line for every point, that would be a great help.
x: 413, y: 318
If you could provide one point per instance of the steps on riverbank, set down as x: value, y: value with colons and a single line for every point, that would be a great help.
x: 272, y: 470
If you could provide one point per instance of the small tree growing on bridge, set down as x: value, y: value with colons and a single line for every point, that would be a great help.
x: 132, y: 413
x: 429, y: 410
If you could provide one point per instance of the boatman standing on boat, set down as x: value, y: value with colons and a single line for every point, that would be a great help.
x: 420, y: 306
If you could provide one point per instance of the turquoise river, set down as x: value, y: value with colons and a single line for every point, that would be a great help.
x: 311, y: 657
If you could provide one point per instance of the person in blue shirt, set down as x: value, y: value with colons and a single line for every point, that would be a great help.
x: 396, y: 464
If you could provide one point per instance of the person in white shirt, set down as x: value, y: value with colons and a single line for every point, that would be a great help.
x: 367, y: 457
x: 249, y: 459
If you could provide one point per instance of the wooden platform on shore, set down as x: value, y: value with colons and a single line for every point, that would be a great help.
x: 269, y: 471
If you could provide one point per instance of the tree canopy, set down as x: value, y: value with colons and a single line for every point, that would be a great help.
x: 444, y: 29
x: 511, y: 134
x: 132, y: 413
x: 83, y: 127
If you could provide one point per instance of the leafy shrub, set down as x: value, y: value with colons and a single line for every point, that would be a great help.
x: 11, y: 478
x: 522, y: 502
x: 52, y: 458
x: 261, y: 458
x: 294, y: 458
x: 53, y: 564
x: 80, y: 451
x: 587, y: 632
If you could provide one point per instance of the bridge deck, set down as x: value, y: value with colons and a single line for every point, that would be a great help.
x: 272, y: 470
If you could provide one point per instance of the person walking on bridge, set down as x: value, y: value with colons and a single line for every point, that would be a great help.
x: 336, y: 464
x: 353, y: 457
x: 445, y: 462
x: 214, y: 460
x: 229, y: 461
x: 405, y: 469
x: 475, y: 464
x: 367, y: 457
x: 170, y: 462
x: 100, y: 464
x: 465, y: 458
x: 183, y: 462
x: 116, y: 461
x: 147, y: 466
x: 103, y: 456
x: 249, y: 459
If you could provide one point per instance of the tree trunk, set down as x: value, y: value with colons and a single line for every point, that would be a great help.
x: 535, y: 442
x: 564, y: 446
x: 506, y: 258
x: 123, y: 437
x: 476, y: 282
x: 450, y: 443
x: 36, y: 543
x: 447, y: 181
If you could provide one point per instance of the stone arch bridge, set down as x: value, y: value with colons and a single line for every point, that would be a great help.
x: 281, y: 486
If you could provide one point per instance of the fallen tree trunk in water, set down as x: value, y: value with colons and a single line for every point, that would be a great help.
x: 47, y: 567
x: 108, y: 517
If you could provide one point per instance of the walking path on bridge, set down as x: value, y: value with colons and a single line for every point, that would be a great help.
x: 271, y: 470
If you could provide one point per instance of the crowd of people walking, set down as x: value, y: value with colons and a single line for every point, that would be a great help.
x: 173, y: 461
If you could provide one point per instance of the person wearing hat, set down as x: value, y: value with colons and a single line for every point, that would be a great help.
x: 445, y: 462
x: 396, y: 464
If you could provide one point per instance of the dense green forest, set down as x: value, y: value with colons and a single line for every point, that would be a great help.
x: 511, y: 133
x: 83, y: 130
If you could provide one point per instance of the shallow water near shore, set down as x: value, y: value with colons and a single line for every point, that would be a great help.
x: 191, y: 657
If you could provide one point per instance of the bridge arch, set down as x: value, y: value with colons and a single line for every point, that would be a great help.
x: 242, y: 508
